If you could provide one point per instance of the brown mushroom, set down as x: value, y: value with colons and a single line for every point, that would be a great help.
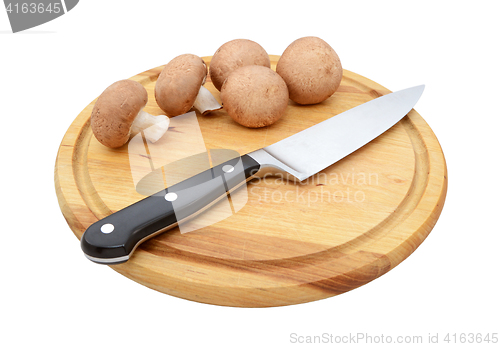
x: 235, y: 54
x: 180, y: 87
x: 311, y: 70
x: 254, y: 96
x: 118, y: 114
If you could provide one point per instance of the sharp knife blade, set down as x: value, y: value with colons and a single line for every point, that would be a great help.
x: 113, y: 239
x: 314, y: 149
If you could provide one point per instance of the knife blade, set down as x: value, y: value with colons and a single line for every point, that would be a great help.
x: 113, y: 239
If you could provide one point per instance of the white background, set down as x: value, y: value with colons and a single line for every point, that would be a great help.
x: 52, y: 296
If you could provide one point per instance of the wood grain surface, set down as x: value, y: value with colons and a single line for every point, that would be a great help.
x: 290, y: 242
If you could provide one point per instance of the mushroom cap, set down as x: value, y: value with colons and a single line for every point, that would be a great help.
x: 254, y: 96
x: 115, y: 111
x: 179, y: 83
x: 235, y: 54
x: 311, y: 70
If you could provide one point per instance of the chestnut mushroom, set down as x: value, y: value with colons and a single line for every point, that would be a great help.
x: 180, y: 87
x: 235, y: 54
x: 118, y: 115
x: 311, y: 70
x: 254, y: 96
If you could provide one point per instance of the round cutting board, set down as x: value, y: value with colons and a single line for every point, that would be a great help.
x: 290, y: 242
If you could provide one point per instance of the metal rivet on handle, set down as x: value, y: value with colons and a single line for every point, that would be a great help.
x: 170, y: 196
x: 107, y: 228
x: 228, y: 168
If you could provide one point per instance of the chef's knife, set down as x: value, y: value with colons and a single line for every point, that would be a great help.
x: 113, y: 239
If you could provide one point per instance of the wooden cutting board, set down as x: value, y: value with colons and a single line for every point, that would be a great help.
x: 291, y: 242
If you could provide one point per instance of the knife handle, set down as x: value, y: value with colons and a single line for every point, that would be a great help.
x: 113, y: 239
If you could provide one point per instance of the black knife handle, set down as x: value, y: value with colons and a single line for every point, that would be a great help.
x: 112, y: 239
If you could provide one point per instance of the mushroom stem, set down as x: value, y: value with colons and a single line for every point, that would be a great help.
x: 153, y: 126
x: 205, y: 102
